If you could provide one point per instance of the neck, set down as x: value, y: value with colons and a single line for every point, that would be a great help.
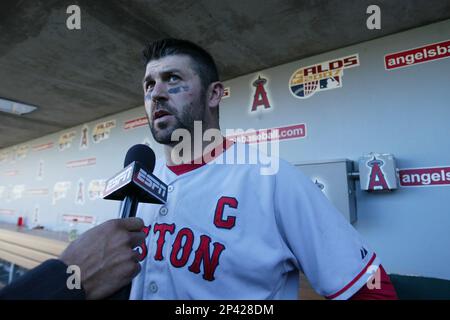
x: 193, y: 150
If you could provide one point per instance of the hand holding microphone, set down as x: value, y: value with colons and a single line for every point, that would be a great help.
x: 134, y: 184
x: 106, y: 257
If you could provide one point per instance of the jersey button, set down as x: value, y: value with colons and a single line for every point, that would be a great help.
x: 153, y: 287
x: 163, y: 211
x: 170, y: 188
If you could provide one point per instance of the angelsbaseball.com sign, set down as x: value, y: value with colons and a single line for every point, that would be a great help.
x: 419, y: 177
x: 431, y: 52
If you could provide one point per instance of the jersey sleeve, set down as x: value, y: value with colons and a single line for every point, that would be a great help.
x: 323, y: 244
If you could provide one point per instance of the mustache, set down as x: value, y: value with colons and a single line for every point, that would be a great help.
x: 164, y: 106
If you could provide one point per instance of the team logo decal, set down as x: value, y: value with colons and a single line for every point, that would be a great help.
x: 377, y: 179
x: 319, y: 185
x: 65, y: 140
x: 17, y: 191
x: 60, y: 190
x: 4, y: 157
x: 260, y: 96
x: 305, y: 82
x: 103, y: 130
x: 226, y: 92
x: 84, y: 141
x: 95, y: 189
x: 21, y: 152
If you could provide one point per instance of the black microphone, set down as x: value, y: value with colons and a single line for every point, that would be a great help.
x: 135, y: 183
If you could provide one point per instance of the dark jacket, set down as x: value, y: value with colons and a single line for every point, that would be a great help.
x: 47, y: 281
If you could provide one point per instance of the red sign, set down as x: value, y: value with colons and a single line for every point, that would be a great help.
x: 424, y: 176
x: 7, y: 212
x: 81, y: 163
x: 11, y: 173
x: 79, y: 218
x: 37, y: 192
x: 435, y: 51
x: 135, y: 123
x: 44, y: 146
x: 281, y: 133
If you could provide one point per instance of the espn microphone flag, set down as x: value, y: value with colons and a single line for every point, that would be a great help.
x: 134, y: 179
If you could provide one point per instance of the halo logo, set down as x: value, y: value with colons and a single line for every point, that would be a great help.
x: 376, y: 180
x: 260, y: 97
x: 305, y: 82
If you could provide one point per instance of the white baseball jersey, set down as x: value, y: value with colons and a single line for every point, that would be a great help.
x: 228, y: 232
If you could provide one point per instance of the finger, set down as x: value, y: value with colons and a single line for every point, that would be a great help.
x: 132, y: 224
x: 136, y: 238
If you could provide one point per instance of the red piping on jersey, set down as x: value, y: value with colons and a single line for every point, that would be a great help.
x: 183, y: 168
x: 351, y: 283
x: 386, y: 291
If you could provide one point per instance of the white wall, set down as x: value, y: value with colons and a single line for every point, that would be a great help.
x: 404, y: 112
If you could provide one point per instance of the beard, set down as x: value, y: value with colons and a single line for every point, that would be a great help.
x: 182, y: 119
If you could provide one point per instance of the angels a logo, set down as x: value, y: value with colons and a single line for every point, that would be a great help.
x: 40, y: 172
x: 305, y: 82
x: 84, y: 142
x: 260, y: 96
x: 80, y: 192
x: 320, y: 185
x: 377, y: 180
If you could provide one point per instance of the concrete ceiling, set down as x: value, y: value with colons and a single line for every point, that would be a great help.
x: 81, y: 75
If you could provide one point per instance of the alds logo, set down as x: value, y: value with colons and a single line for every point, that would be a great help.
x: 305, y: 82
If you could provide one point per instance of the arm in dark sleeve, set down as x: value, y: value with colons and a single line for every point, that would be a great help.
x: 48, y: 281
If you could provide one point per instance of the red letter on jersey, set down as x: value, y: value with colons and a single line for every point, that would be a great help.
x: 162, y: 228
x: 210, y: 263
x: 218, y: 216
x: 143, y: 246
x: 187, y: 248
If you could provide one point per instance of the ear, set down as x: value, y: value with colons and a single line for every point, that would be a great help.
x: 214, y: 94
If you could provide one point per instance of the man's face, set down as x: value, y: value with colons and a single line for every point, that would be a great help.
x: 173, y: 96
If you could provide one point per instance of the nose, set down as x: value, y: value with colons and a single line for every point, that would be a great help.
x: 159, y: 92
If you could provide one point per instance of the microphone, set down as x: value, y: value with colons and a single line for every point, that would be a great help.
x: 133, y: 184
x: 136, y: 182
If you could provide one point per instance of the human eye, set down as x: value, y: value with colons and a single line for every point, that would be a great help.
x: 149, y: 85
x: 173, y: 78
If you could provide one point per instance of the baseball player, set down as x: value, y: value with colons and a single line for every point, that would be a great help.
x: 227, y: 231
